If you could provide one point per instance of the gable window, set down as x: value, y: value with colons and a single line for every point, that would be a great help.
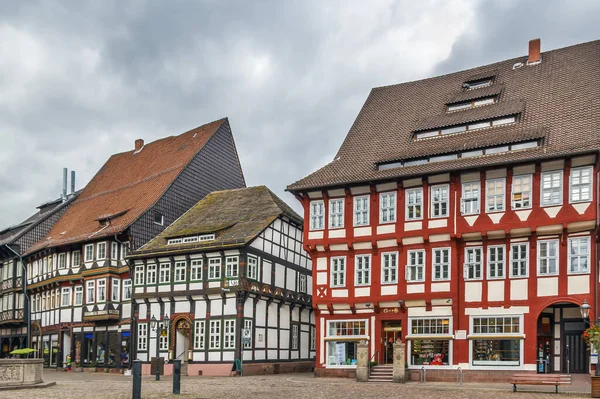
x: 214, y: 268
x: 78, y: 295
x: 101, y: 290
x: 89, y: 253
x: 215, y: 334
x: 231, y: 266
x: 101, y: 248
x: 414, y: 204
x: 389, y: 268
x: 91, y: 292
x: 114, y: 251
x: 116, y: 290
x: 415, y: 270
x: 126, y: 289
x: 62, y: 261
x: 336, y: 213
x: 196, y: 270
x: 139, y: 275
x: 519, y: 259
x: 580, y: 187
x: 361, y: 210
x: 317, y: 215
x: 362, y: 265
x: 521, y: 192
x: 441, y: 263
x: 65, y: 297
x: 439, y: 201
x: 387, y: 205
x: 552, y: 188
x: 76, y: 258
x: 302, y: 283
x: 199, y: 334
x: 338, y: 272
x: 252, y: 267
x: 579, y: 255
x: 180, y: 272
x: 470, y: 198
x: 496, y: 261
x: 151, y: 274
x: 473, y: 263
x: 495, y: 195
x: 142, y: 337
x: 547, y: 257
x: 158, y: 218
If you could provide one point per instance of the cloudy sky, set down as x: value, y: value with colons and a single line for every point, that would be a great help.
x: 81, y: 80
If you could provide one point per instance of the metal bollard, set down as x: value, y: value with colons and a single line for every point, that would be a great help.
x: 137, y: 379
x: 176, y: 377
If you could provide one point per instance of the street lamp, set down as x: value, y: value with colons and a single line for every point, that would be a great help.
x: 585, y: 309
x: 159, y: 329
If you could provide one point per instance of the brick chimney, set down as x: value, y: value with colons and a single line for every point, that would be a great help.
x: 534, y: 51
x: 139, y: 143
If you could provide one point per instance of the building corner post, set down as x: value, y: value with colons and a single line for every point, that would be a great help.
x: 362, y: 365
x: 399, y: 362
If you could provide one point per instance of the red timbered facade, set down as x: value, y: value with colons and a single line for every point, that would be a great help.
x: 460, y: 216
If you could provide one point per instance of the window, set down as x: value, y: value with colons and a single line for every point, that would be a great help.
x: 252, y: 267
x: 89, y: 253
x: 362, y: 265
x: 502, y: 351
x: 124, y: 251
x: 495, y: 261
x: 342, y: 339
x: 199, y: 334
x: 441, y: 263
x: 101, y: 290
x: 389, y: 268
x: 163, y: 341
x: 519, y: 260
x: 338, y: 272
x: 231, y: 267
x: 580, y: 187
x: 387, y: 205
x: 215, y: 334
x: 478, y: 84
x: 126, y: 289
x: 429, y: 341
x: 470, y: 198
x: 114, y: 251
x: 579, y: 255
x: 62, y: 261
x: 248, y: 326
x: 165, y: 273
x: 65, y: 297
x: 415, y: 269
x: 91, y: 291
x: 521, y: 192
x: 361, y: 210
x: 414, y: 204
x: 151, y: 274
x: 196, y: 270
x: 552, y: 188
x: 158, y: 218
x: 76, y: 258
x: 495, y: 195
x: 471, y: 104
x: 294, y: 336
x: 142, y: 336
x: 214, y: 268
x: 180, y: 272
x: 336, y: 213
x: 139, y: 275
x: 79, y: 295
x: 101, y: 250
x: 302, y: 283
x: 439, y: 201
x: 473, y: 263
x: 313, y: 338
x: 435, y: 326
x: 547, y: 257
x: 116, y: 290
x: 317, y: 215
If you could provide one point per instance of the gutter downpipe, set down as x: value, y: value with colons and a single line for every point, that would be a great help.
x: 26, y: 312
x: 597, y: 243
x: 132, y: 323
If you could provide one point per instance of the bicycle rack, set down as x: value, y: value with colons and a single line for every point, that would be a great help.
x: 459, y: 376
x: 423, y: 375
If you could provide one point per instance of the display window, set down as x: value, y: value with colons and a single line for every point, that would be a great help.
x: 430, y: 341
x: 342, y: 339
x: 496, y: 340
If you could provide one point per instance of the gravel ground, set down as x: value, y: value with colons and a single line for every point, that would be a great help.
x: 287, y: 386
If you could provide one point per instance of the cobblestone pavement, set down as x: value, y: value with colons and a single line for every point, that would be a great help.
x: 287, y: 386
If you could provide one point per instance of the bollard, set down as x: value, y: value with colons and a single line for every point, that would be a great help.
x: 137, y: 379
x: 176, y: 377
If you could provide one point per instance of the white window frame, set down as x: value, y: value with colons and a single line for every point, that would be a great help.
x: 101, y: 288
x: 295, y: 336
x: 116, y: 290
x: 163, y: 341
x: 387, y: 207
x: 361, y: 212
x: 199, y: 334
x: 232, y: 266
x: 180, y: 272
x: 466, y: 264
x: 416, y: 266
x: 471, y: 199
x: 570, y: 241
x: 100, y: 245
x: 520, y: 260
x: 76, y: 258
x: 248, y: 326
x: 551, y: 189
x: 415, y: 205
x: 252, y: 266
x: 362, y: 270
x: 494, y: 264
x: 151, y: 274
x: 142, y: 337
x: 90, y: 289
x: 215, y: 334
x: 114, y: 250
x: 127, y: 289
x: 548, y: 257
x: 490, y: 336
x: 335, y: 263
x: 317, y: 215
x: 336, y: 213
x: 441, y: 265
x: 214, y: 268
x: 196, y: 266
x: 139, y: 275
x: 389, y: 264
x: 439, y: 203
x: 581, y: 185
x: 65, y: 293
x: 335, y: 337
x: 302, y: 283
x: 88, y: 253
x: 62, y: 260
x: 513, y: 192
x: 495, y: 196
x: 164, y: 276
x: 78, y: 295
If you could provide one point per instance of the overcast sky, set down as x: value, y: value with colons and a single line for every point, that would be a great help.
x: 81, y: 80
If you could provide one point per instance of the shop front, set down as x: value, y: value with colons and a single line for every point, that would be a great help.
x: 107, y: 349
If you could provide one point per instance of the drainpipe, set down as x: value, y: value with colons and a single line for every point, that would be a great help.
x: 596, y: 244
x: 26, y: 312
x: 132, y: 323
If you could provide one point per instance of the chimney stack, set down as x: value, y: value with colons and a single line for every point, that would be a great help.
x: 64, y: 190
x: 72, y: 182
x: 534, y: 51
x: 139, y: 143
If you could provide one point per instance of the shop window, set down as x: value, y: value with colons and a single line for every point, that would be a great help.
x: 342, y: 340
x: 429, y: 341
x: 503, y: 350
x: 248, y: 326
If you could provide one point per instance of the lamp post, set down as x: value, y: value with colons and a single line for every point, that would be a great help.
x: 159, y: 329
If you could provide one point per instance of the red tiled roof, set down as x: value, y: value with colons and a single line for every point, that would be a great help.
x: 560, y: 98
x: 126, y: 186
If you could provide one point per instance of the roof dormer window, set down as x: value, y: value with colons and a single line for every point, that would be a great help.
x: 466, y: 127
x: 471, y: 104
x: 191, y: 239
x: 477, y: 84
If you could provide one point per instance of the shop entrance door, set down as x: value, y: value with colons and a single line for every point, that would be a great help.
x: 392, y: 330
x: 575, y: 359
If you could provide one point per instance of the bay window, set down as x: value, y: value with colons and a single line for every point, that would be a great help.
x: 429, y: 341
x: 496, y: 340
x: 342, y: 338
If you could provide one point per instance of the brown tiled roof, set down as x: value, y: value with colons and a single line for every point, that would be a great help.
x: 468, y: 95
x: 561, y: 96
x: 235, y: 216
x: 126, y: 186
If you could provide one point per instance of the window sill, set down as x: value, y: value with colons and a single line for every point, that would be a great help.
x: 388, y: 222
x: 550, y: 205
x: 579, y: 202
x: 439, y: 217
x: 496, y: 278
x: 389, y: 283
x: 415, y: 281
x: 547, y: 274
x: 578, y: 273
x: 518, y: 277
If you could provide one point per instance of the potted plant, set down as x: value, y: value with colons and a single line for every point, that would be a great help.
x: 592, y: 337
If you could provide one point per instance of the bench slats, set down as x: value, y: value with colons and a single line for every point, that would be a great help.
x: 540, y: 379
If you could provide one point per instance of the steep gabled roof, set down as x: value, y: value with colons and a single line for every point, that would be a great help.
x: 556, y: 102
x: 127, y: 186
x: 236, y: 217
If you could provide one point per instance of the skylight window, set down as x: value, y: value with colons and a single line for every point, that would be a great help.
x: 471, y: 104
x: 466, y: 128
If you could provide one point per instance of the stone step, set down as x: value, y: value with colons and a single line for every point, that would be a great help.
x: 380, y: 380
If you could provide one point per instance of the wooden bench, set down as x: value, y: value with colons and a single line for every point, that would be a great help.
x: 540, y: 379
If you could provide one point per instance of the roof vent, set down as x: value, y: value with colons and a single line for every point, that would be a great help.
x: 139, y: 143
x: 535, y: 56
x: 518, y: 65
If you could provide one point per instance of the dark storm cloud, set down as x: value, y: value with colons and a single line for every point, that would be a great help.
x: 81, y: 80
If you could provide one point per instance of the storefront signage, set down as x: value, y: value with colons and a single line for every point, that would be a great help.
x: 460, y: 334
